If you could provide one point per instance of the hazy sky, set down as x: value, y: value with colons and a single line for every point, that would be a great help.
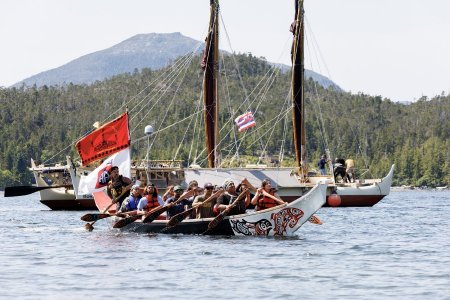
x: 399, y: 49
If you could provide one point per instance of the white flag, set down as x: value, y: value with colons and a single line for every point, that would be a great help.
x: 98, y: 179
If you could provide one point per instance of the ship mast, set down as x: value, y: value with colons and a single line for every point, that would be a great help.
x: 298, y: 107
x: 210, y: 66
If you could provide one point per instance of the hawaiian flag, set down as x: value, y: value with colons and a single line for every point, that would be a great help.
x: 98, y: 179
x: 245, y: 121
x: 110, y: 138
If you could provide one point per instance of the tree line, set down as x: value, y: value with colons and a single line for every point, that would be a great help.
x: 43, y: 122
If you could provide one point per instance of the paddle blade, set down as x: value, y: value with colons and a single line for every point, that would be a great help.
x: 154, y: 214
x: 13, y: 191
x: 179, y: 217
x: 88, y: 226
x: 124, y: 222
x: 315, y: 220
x: 94, y: 217
x: 216, y: 221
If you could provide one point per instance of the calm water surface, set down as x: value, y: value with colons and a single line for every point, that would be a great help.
x: 399, y: 248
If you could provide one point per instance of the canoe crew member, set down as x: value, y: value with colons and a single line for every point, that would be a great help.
x: 266, y: 197
x: 118, y: 186
x: 131, y: 202
x: 193, y: 186
x: 179, y: 207
x: 228, y: 198
x: 169, y: 193
x: 350, y: 170
x: 206, y: 210
x: 151, y: 199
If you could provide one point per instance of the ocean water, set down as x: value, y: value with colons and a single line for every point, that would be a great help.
x: 398, y: 249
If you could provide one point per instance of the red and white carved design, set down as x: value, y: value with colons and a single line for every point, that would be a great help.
x: 286, y: 217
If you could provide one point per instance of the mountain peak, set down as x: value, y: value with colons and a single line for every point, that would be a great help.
x: 150, y: 50
x: 145, y: 50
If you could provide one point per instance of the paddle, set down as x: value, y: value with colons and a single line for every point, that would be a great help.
x: 181, y: 216
x: 159, y: 210
x: 225, y: 213
x: 124, y: 222
x: 99, y: 216
x: 153, y: 214
x: 315, y: 220
x: 12, y: 191
x: 90, y: 226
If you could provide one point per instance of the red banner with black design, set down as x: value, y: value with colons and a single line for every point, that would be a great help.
x: 110, y: 138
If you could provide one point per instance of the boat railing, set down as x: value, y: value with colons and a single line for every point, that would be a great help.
x: 158, y: 164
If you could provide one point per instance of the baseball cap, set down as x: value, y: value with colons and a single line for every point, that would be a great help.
x: 208, y: 185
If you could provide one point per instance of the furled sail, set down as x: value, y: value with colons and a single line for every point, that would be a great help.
x: 298, y: 108
x: 210, y: 66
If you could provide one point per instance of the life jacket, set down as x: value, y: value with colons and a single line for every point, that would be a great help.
x: 152, y: 202
x: 266, y: 202
x: 132, y: 203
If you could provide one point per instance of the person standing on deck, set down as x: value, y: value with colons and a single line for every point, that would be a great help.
x: 339, y: 169
x: 350, y: 170
x: 118, y: 187
x: 322, y: 164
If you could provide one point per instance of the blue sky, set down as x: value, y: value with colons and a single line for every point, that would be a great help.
x: 398, y: 49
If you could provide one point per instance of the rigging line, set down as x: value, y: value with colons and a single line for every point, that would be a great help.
x: 197, y: 120
x: 315, y: 45
x: 319, y: 115
x: 166, y: 88
x: 167, y: 110
x: 283, y: 113
x: 104, y: 120
x: 184, y: 63
x: 261, y: 95
x: 234, y: 114
x: 185, y: 133
x: 165, y: 74
x: 314, y: 41
x: 227, y: 93
x: 241, y: 81
x: 317, y: 48
x: 169, y: 80
x: 274, y: 126
x: 283, y: 140
x: 167, y: 127
x: 270, y: 129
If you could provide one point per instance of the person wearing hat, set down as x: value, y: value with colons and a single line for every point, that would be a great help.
x: 179, y: 207
x: 151, y: 198
x: 131, y: 203
x: 206, y: 210
x: 227, y: 198
x: 266, y: 197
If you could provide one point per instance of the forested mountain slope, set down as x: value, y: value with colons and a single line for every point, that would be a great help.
x: 43, y: 122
